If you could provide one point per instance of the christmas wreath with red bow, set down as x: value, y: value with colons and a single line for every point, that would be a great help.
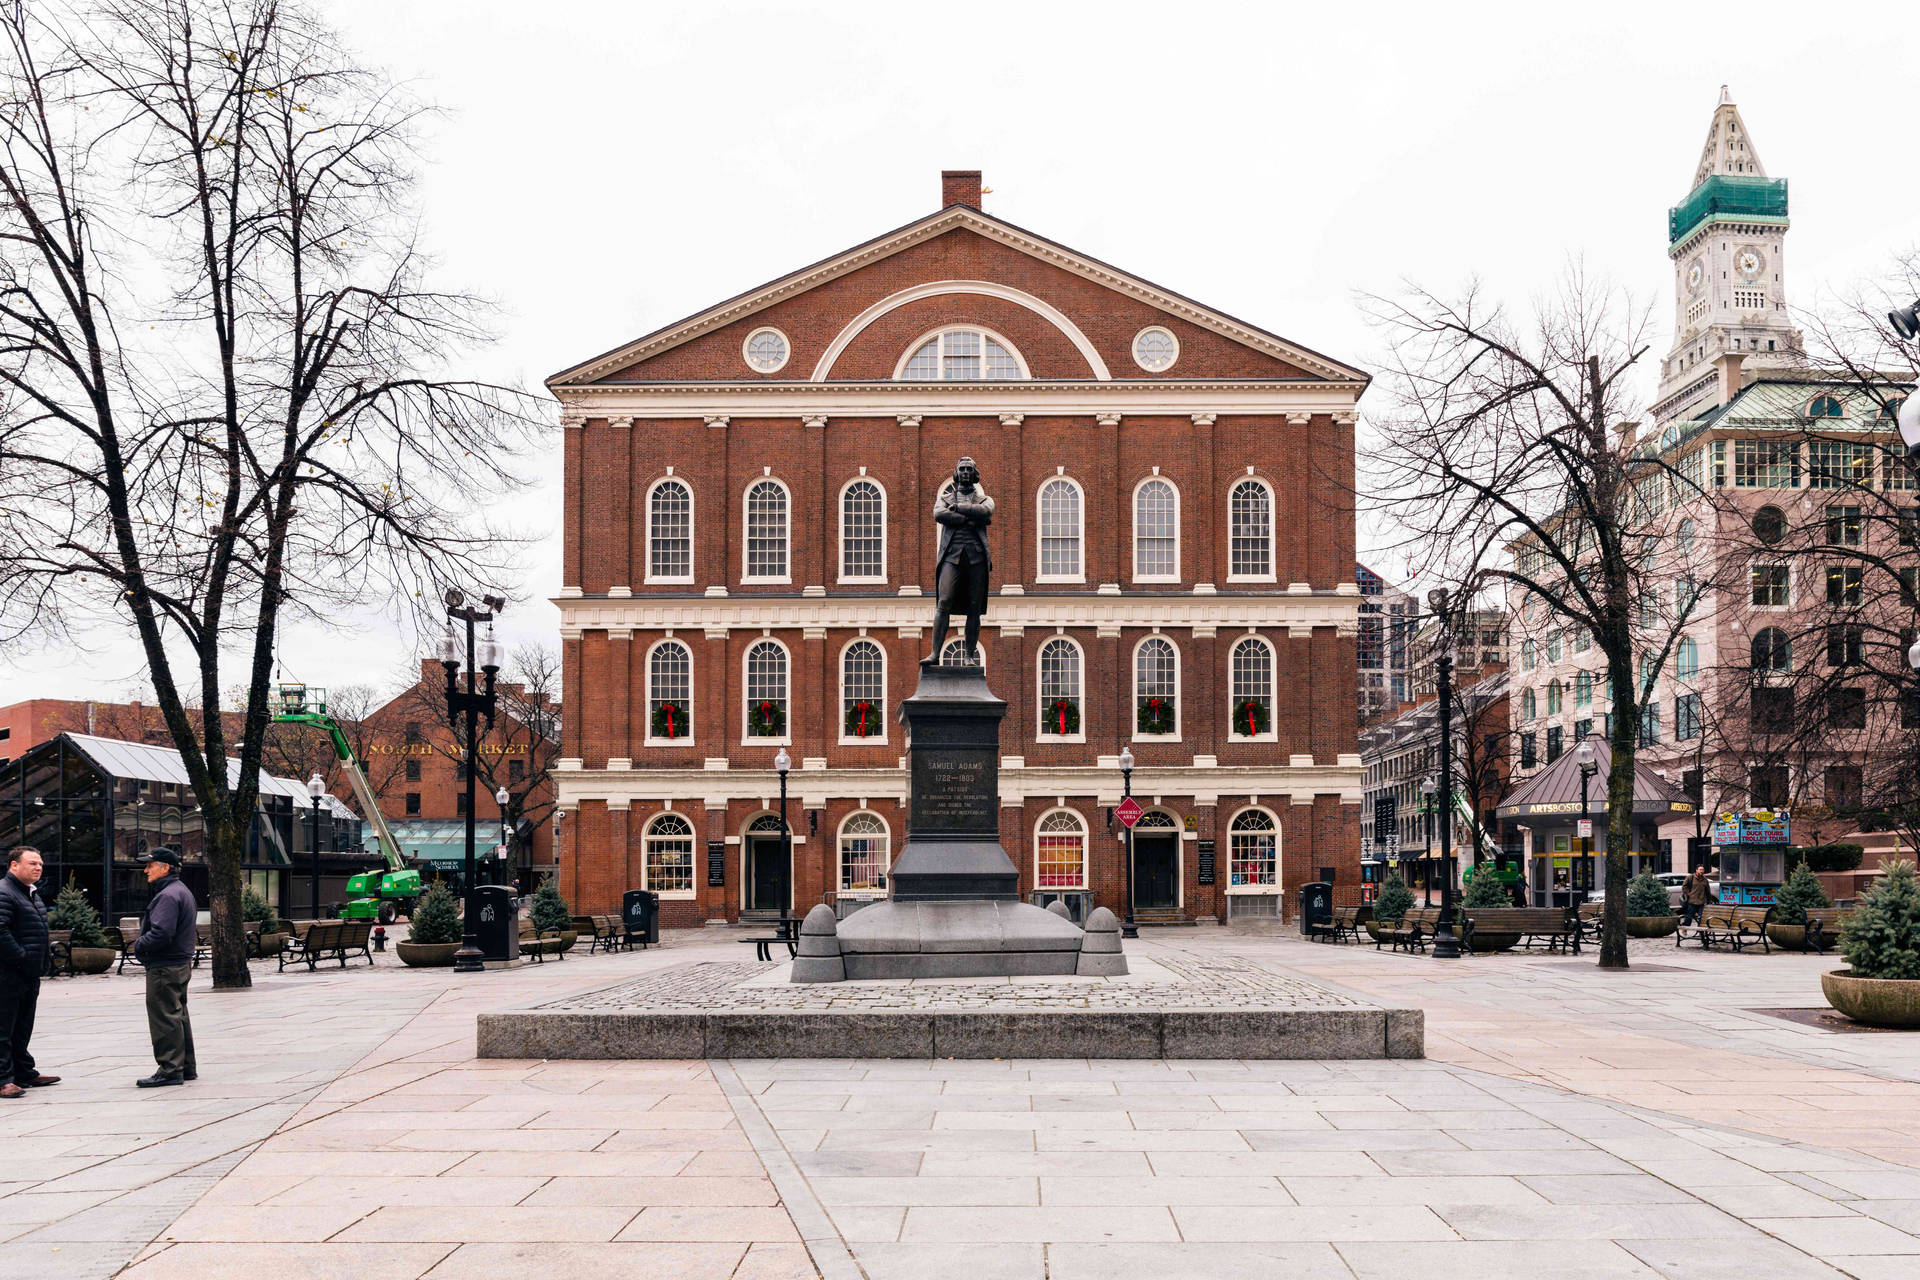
x: 1061, y: 716
x: 863, y: 720
x: 1155, y: 715
x: 670, y: 721
x: 1250, y: 718
x: 766, y: 719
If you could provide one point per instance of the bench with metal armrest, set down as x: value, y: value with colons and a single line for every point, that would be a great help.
x: 1413, y: 931
x: 1824, y: 925
x: 1738, y: 926
x: 1558, y: 927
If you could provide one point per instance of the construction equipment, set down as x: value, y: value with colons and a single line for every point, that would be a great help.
x: 381, y: 893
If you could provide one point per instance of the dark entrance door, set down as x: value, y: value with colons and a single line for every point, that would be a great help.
x: 1156, y: 862
x: 768, y: 876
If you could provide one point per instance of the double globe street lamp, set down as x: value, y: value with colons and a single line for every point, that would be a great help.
x: 476, y: 699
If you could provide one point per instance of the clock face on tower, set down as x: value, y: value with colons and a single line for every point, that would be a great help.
x: 1749, y: 264
x: 1695, y: 274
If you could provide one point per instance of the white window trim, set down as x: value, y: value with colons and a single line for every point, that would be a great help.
x: 1273, y: 533
x: 1179, y: 853
x: 746, y: 526
x: 1020, y: 361
x: 1086, y: 851
x: 646, y: 871
x: 693, y: 541
x: 1039, y: 525
x: 1133, y: 348
x: 1179, y: 701
x: 1279, y: 857
x: 840, y: 857
x: 1134, y: 511
x: 980, y: 645
x: 1039, y: 677
x: 746, y: 344
x: 840, y: 703
x: 747, y: 739
x: 647, y: 679
x: 1273, y: 697
x: 840, y: 508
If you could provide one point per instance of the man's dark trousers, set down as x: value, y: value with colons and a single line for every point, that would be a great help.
x: 19, y: 995
x: 167, y: 1019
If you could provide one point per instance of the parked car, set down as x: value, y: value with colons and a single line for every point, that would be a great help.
x: 1675, y: 882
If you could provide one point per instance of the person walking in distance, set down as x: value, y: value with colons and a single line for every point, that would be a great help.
x: 165, y: 948
x: 1694, y: 894
x: 23, y: 958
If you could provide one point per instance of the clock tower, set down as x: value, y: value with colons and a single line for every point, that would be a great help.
x: 1727, y: 241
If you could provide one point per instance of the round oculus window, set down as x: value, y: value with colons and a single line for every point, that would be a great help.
x: 1155, y: 349
x: 766, y: 350
x: 1770, y: 525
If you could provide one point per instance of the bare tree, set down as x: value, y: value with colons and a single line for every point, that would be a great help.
x: 221, y: 409
x: 1510, y: 460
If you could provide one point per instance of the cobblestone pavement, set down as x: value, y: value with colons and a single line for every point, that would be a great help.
x: 1567, y: 1122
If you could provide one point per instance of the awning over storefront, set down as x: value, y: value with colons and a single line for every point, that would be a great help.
x: 1553, y: 794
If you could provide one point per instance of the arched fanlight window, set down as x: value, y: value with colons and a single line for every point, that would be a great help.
x: 669, y: 692
x: 1254, y: 844
x: 1772, y: 651
x: 1060, y: 688
x: 1060, y: 851
x: 1251, y: 686
x: 1250, y: 531
x: 863, y: 532
x: 963, y: 355
x: 670, y: 532
x: 766, y: 701
x: 1685, y: 538
x: 1156, y: 532
x: 1156, y: 687
x: 1686, y: 658
x: 1061, y: 531
x: 863, y: 691
x: 668, y: 855
x: 766, y: 548
x: 1553, y: 698
x: 864, y: 842
x: 954, y: 654
x: 1826, y: 407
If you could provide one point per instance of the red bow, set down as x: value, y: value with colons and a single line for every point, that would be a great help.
x: 669, y: 710
x: 1251, y: 731
x: 863, y: 708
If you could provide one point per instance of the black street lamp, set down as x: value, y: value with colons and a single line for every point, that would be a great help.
x: 316, y: 787
x: 1128, y: 929
x: 475, y: 700
x: 781, y: 763
x: 1446, y: 944
x: 1584, y: 754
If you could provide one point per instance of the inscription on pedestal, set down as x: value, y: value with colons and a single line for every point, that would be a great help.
x: 954, y: 790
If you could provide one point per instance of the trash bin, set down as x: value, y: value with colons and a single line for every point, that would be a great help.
x: 641, y: 912
x: 496, y: 922
x: 1316, y: 907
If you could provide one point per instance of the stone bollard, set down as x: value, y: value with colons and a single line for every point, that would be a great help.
x: 1100, y: 955
x: 818, y: 959
x: 1059, y: 908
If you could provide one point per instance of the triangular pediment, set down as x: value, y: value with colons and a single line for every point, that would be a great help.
x: 953, y: 218
x: 1729, y: 149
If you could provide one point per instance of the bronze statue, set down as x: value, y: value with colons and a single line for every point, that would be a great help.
x: 963, y: 513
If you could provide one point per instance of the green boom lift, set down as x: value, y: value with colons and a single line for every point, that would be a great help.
x: 379, y: 894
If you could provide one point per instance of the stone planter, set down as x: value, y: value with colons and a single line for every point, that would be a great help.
x: 1878, y: 1002
x: 426, y: 955
x: 92, y: 959
x: 269, y: 946
x: 1651, y: 926
x: 1373, y: 928
x: 1486, y: 943
x: 1792, y: 937
x: 568, y: 938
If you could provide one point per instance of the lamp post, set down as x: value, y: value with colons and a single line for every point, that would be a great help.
x: 781, y: 763
x: 475, y: 700
x: 1584, y: 754
x: 1446, y: 944
x: 503, y: 798
x: 316, y: 787
x: 1426, y: 827
x: 1128, y: 929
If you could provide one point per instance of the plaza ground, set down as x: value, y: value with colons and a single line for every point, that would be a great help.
x: 1565, y: 1122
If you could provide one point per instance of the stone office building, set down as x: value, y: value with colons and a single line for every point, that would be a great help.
x: 748, y: 558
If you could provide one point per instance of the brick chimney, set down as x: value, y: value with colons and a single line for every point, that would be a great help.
x: 960, y: 186
x: 1728, y: 366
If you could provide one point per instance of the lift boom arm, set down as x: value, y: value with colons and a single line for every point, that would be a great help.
x: 297, y: 708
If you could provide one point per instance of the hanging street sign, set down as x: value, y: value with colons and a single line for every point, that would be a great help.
x: 1129, y: 811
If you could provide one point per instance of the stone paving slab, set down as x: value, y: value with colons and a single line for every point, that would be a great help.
x: 1176, y: 1006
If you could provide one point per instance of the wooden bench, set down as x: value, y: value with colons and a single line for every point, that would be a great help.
x: 608, y: 933
x: 1558, y: 927
x: 541, y: 943
x: 1738, y: 926
x: 1324, y: 930
x: 59, y: 952
x: 1824, y: 925
x: 1412, y: 931
x: 327, y: 939
x: 1348, y: 924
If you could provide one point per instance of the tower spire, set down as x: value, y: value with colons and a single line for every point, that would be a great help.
x: 1728, y: 150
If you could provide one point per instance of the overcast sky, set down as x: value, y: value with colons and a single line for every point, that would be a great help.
x: 605, y: 168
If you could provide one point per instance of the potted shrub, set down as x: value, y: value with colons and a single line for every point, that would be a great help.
x: 273, y: 930
x: 1649, y: 909
x: 1487, y: 890
x: 550, y: 911
x: 434, y: 930
x: 1787, y: 924
x: 1881, y: 985
x: 1392, y: 904
x: 88, y: 949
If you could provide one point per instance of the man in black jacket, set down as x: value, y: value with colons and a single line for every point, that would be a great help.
x: 168, y: 937
x: 23, y: 958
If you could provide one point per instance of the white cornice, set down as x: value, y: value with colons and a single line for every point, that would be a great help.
x: 956, y: 399
x: 747, y: 613
x: 952, y: 218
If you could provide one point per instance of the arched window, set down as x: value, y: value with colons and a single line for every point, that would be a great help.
x: 1553, y: 646
x: 1156, y: 687
x: 767, y: 532
x: 669, y: 856
x: 1526, y: 655
x: 963, y: 355
x: 766, y: 701
x: 1528, y: 708
x: 1250, y: 532
x: 670, y: 532
x: 1553, y: 698
x: 1060, y: 689
x: 1583, y: 689
x: 955, y: 655
x: 1061, y: 531
x: 1251, y: 686
x: 1826, y: 407
x: 863, y: 532
x: 1684, y: 539
x: 669, y: 693
x: 1686, y: 658
x: 1254, y: 847
x: 863, y: 691
x: 1157, y: 820
x: 1772, y: 651
x: 1060, y: 851
x: 1156, y: 532
x: 863, y: 853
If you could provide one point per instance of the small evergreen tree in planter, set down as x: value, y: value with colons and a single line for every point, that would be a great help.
x: 434, y: 931
x: 1787, y: 924
x: 255, y: 909
x: 1881, y: 986
x: 1485, y: 890
x: 1393, y: 902
x: 550, y: 911
x: 88, y: 947
x: 1649, y: 909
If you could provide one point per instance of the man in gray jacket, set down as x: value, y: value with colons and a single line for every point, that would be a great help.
x: 168, y: 937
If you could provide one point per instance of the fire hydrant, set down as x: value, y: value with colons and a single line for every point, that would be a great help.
x: 380, y: 937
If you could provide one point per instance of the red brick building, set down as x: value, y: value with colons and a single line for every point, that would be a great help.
x: 748, y: 568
